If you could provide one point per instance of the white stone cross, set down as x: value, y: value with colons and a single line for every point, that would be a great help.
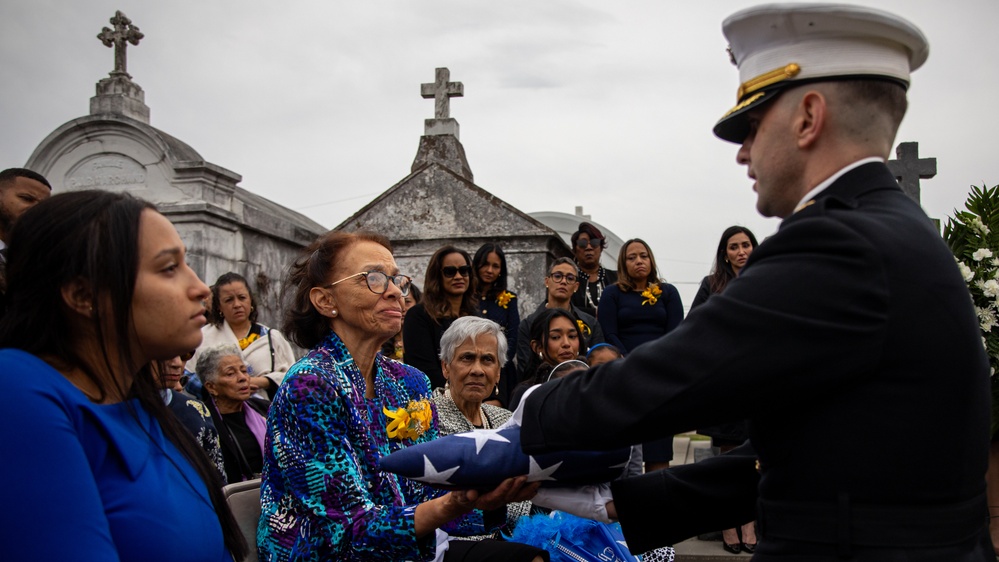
x: 442, y: 91
x: 124, y: 32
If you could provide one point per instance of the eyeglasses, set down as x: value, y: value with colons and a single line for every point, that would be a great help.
x: 450, y: 271
x: 592, y: 242
x: 558, y: 276
x: 378, y: 281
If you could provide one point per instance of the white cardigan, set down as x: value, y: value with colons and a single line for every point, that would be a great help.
x: 257, y: 355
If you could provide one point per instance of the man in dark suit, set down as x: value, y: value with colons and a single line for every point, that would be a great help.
x: 849, y: 341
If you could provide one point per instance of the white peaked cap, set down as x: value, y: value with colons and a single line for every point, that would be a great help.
x: 780, y: 45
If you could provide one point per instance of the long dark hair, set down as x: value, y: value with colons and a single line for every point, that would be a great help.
x: 226, y: 279
x: 434, y: 300
x: 723, y: 272
x: 93, y: 237
x: 314, y: 268
x: 625, y: 281
x: 499, y: 285
x: 539, y: 333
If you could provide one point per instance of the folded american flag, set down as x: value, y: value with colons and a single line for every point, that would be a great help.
x: 483, y: 458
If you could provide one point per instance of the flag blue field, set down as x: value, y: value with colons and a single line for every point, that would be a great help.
x: 483, y: 458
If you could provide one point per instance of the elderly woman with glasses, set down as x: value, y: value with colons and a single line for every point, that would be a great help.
x: 345, y: 405
x: 448, y: 293
x: 239, y: 417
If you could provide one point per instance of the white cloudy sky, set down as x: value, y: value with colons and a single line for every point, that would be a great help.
x: 608, y: 105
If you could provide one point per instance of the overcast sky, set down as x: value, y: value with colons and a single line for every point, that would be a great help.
x: 607, y: 105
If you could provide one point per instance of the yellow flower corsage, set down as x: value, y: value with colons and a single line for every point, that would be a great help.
x: 583, y: 328
x: 409, y: 422
x: 245, y: 342
x: 504, y: 298
x: 651, y: 293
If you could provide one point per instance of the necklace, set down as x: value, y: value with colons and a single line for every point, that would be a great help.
x: 482, y: 414
x: 588, y: 296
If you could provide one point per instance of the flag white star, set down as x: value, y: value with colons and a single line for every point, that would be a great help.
x: 431, y: 475
x: 483, y: 436
x: 536, y: 473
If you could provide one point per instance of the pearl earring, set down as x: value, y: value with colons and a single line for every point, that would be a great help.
x: 333, y: 312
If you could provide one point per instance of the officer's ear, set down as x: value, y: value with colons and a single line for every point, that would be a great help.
x: 810, y: 118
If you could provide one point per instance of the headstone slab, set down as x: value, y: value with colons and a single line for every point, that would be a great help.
x: 107, y: 171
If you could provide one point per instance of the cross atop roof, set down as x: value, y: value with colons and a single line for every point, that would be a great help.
x: 124, y: 32
x: 441, y: 90
x: 910, y: 168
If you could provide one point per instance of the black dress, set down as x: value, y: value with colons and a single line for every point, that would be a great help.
x: 421, y: 339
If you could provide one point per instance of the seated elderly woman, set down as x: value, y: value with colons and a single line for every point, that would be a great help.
x: 190, y: 412
x: 473, y: 352
x: 239, y: 417
x: 342, y: 407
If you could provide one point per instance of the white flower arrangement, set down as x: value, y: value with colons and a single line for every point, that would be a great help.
x: 970, y: 236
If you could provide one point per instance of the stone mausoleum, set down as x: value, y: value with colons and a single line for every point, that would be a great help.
x: 439, y: 203
x: 225, y: 227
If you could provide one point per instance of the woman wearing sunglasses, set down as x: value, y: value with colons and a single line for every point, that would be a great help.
x: 448, y: 293
x: 588, y: 245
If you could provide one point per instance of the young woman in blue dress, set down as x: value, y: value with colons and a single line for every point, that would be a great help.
x: 96, y: 466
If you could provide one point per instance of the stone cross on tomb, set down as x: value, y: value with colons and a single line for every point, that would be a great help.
x: 124, y: 32
x: 910, y: 168
x: 442, y: 91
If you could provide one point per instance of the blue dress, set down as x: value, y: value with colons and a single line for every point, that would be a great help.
x: 94, y: 482
x: 627, y: 323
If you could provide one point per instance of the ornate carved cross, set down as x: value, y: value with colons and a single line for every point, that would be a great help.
x: 124, y: 32
x: 910, y: 168
x: 442, y: 91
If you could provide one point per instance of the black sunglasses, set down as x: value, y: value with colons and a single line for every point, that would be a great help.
x: 450, y: 271
x: 592, y: 242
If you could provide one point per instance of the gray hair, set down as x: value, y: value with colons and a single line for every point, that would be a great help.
x: 469, y: 328
x: 210, y: 358
x: 563, y: 261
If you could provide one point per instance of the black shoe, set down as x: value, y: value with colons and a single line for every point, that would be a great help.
x: 734, y: 548
x: 749, y: 547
